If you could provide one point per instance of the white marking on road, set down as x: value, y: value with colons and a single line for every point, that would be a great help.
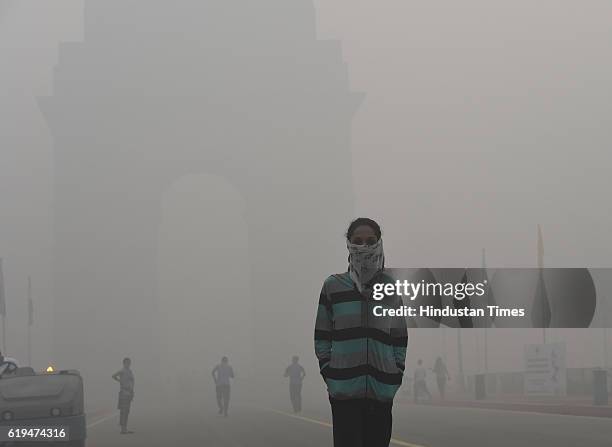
x: 103, y: 419
x: 500, y: 410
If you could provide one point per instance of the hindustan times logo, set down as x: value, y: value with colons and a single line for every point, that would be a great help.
x: 413, y: 290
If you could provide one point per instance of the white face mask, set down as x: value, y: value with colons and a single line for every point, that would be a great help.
x: 365, y: 262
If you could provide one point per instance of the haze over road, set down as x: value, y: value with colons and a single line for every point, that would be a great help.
x: 251, y: 425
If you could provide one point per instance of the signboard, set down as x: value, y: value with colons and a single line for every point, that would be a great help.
x: 545, y: 372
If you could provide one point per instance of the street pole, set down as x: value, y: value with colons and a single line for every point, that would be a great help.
x: 604, y: 318
x: 486, y: 350
x: 605, y: 347
x: 541, y: 267
x: 460, y: 359
x: 486, y: 325
x: 4, y: 334
x: 444, y: 331
x: 442, y: 341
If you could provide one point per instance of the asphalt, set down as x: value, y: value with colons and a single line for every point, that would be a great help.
x: 252, y: 424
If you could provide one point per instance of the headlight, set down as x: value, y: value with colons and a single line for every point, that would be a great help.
x: 55, y: 412
x: 7, y: 416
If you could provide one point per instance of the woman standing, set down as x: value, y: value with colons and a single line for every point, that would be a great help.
x: 361, y: 356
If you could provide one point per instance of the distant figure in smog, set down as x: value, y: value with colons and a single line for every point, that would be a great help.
x: 296, y: 375
x: 222, y: 373
x: 8, y: 365
x: 125, y: 377
x: 442, y: 376
x: 420, y: 383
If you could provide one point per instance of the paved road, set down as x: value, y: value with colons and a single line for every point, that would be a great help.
x: 251, y: 425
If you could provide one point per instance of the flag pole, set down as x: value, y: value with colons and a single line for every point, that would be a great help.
x: 604, y: 318
x: 3, y: 309
x: 29, y: 346
x: 486, y: 344
x: 460, y: 360
x: 540, y: 267
x: 605, y: 333
x: 29, y: 321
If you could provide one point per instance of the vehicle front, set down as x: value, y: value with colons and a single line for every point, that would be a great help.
x: 45, y: 406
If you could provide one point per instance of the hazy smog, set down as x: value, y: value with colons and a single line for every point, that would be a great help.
x: 177, y: 178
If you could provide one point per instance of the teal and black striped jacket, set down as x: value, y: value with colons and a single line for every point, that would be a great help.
x: 360, y: 355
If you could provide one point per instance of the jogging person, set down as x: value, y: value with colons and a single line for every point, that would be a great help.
x: 222, y: 373
x: 296, y: 375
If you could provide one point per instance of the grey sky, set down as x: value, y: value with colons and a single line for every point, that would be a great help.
x: 481, y: 119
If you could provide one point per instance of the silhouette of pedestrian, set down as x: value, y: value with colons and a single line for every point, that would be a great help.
x: 442, y: 376
x: 222, y: 373
x: 420, y: 383
x: 296, y: 375
x: 125, y: 377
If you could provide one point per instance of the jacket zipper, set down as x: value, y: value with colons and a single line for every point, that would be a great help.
x: 365, y: 306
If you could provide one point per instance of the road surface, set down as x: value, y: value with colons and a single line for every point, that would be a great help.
x: 254, y: 425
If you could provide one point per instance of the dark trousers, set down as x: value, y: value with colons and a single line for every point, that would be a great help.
x: 124, y: 412
x: 223, y: 397
x: 295, y: 393
x: 361, y: 423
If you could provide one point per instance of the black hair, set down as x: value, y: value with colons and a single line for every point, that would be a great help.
x: 363, y: 221
x: 127, y: 359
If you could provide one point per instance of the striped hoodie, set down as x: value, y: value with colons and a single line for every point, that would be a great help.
x: 360, y: 355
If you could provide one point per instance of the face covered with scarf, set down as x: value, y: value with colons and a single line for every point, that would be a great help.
x: 365, y: 262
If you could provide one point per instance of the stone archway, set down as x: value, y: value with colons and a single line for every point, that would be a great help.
x: 160, y: 90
